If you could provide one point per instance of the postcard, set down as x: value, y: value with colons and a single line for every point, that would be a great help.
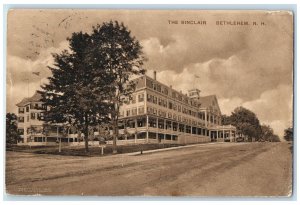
x: 149, y: 103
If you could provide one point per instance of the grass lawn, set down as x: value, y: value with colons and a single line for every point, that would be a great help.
x: 93, y: 151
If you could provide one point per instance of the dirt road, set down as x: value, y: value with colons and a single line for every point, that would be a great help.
x: 224, y: 169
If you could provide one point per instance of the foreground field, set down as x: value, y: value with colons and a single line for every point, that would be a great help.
x: 222, y: 169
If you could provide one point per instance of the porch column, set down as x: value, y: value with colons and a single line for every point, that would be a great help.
x: 230, y: 137
x: 157, y: 128
x: 147, y: 128
x: 205, y: 118
x: 208, y: 119
x: 217, y: 135
x: 165, y: 127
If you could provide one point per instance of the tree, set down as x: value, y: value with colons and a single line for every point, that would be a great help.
x: 89, y: 81
x: 12, y: 135
x: 226, y: 120
x: 246, y: 122
x: 76, y: 91
x: 288, y: 134
x: 267, y: 134
x: 122, y: 58
x: 275, y: 138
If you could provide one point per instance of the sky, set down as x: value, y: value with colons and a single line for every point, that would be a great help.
x: 243, y: 65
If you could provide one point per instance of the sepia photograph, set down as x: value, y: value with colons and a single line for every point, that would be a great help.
x: 149, y: 103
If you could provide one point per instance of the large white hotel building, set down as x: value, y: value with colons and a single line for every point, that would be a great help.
x: 155, y: 113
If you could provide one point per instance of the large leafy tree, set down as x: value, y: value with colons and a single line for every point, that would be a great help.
x: 267, y: 134
x: 288, y: 134
x: 226, y: 120
x: 89, y: 81
x: 122, y: 57
x: 77, y: 89
x: 246, y: 122
x: 12, y: 135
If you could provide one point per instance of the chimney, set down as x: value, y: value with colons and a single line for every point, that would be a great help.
x: 154, y: 75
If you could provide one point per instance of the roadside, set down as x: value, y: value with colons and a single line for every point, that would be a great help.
x: 95, y: 151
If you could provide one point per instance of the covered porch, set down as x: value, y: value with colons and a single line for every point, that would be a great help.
x: 223, y: 133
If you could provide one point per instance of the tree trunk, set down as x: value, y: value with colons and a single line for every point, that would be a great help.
x: 115, y: 136
x: 86, y: 138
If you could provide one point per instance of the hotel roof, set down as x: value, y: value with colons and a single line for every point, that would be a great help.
x: 35, y: 98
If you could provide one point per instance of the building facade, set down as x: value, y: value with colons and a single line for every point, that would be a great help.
x: 158, y: 113
x: 32, y: 127
x: 154, y: 113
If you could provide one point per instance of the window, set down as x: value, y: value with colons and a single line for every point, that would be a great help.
x: 134, y: 111
x: 141, y: 122
x: 141, y: 97
x: 175, y: 125
x: 166, y: 91
x: 179, y: 108
x: 149, y: 98
x: 154, y: 100
x: 38, y: 116
x: 27, y: 118
x: 165, y: 103
x: 21, y: 119
x: 159, y: 101
x: 160, y: 124
x: 154, y: 111
x: 186, y: 100
x: 175, y: 106
x: 27, y: 108
x: 127, y: 112
x: 168, y: 125
x: 130, y: 123
x: 152, y: 122
x: 169, y: 115
x: 181, y: 128
x: 149, y: 110
x: 174, y: 117
x: 141, y: 110
x: 173, y: 95
x: 21, y: 110
x: 170, y: 105
x: 154, y: 86
x: 152, y: 135
x: 141, y: 135
x: 21, y: 131
x: 133, y: 99
x: 158, y: 88
x: 159, y: 113
x: 41, y: 116
x: 32, y: 116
